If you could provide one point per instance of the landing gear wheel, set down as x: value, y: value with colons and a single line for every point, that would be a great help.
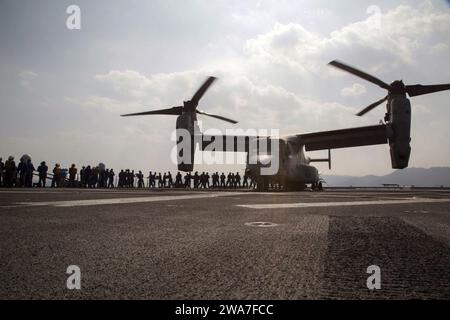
x: 294, y: 186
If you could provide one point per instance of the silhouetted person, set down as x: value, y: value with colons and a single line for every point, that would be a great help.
x: 121, y: 179
x: 42, y: 170
x: 2, y: 168
x: 252, y: 183
x: 151, y: 180
x: 164, y: 179
x: 111, y: 178
x: 82, y: 176
x: 237, y: 180
x: 207, y: 179
x: 202, y: 180
x: 245, y: 183
x: 215, y: 179
x: 160, y: 181
x: 320, y: 186
x: 56, y: 180
x: 72, y: 175
x: 229, y: 180
x: 87, y: 177
x: 29, y: 170
x: 222, y: 180
x: 178, y: 180
x: 94, y: 177
x: 169, y: 180
x: 22, y: 169
x: 187, y: 180
x: 132, y: 179
x: 196, y: 180
x: 63, y: 176
x: 10, y: 172
x: 140, y: 177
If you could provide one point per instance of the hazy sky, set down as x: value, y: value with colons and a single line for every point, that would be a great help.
x: 62, y: 91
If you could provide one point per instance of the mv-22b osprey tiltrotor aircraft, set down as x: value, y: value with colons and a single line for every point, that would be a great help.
x: 294, y: 169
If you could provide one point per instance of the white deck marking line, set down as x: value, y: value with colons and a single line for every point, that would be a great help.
x: 339, y: 204
x: 96, y: 202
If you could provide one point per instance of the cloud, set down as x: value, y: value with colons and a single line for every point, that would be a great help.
x: 354, y: 90
x: 26, y: 77
x: 389, y: 38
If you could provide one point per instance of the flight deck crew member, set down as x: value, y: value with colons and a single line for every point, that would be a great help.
x: 252, y: 183
x: 196, y: 180
x: 132, y: 179
x: 202, y: 180
x: 245, y: 184
x: 22, y: 168
x: 42, y: 170
x: 29, y: 174
x: 178, y: 180
x: 207, y: 179
x: 121, y: 178
x: 82, y: 176
x: 151, y: 179
x: 87, y: 176
x: 160, y: 181
x: 140, y: 177
x: 170, y: 179
x: 10, y: 172
x: 72, y: 175
x: 187, y: 180
x: 222, y: 180
x: 215, y: 179
x: 2, y: 167
x: 56, y: 176
x: 94, y: 177
x: 111, y: 178
x: 229, y: 180
x: 237, y: 180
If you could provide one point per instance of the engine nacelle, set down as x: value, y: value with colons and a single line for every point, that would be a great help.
x: 399, y: 110
x: 185, y: 141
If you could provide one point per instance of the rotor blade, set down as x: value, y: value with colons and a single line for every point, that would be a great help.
x: 360, y: 74
x: 370, y: 107
x: 172, y: 111
x: 201, y: 91
x: 216, y: 116
x: 418, y: 89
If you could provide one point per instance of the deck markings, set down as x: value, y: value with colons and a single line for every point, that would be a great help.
x: 339, y: 204
x: 96, y: 202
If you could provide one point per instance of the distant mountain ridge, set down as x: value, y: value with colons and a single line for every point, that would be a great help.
x: 418, y: 177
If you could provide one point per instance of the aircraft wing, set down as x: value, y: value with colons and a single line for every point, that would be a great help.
x: 334, y: 139
x: 345, y: 138
x: 230, y: 143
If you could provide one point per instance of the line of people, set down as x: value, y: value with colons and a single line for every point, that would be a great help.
x: 21, y: 175
x: 199, y: 181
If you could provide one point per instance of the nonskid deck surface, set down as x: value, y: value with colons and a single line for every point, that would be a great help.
x: 170, y: 244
